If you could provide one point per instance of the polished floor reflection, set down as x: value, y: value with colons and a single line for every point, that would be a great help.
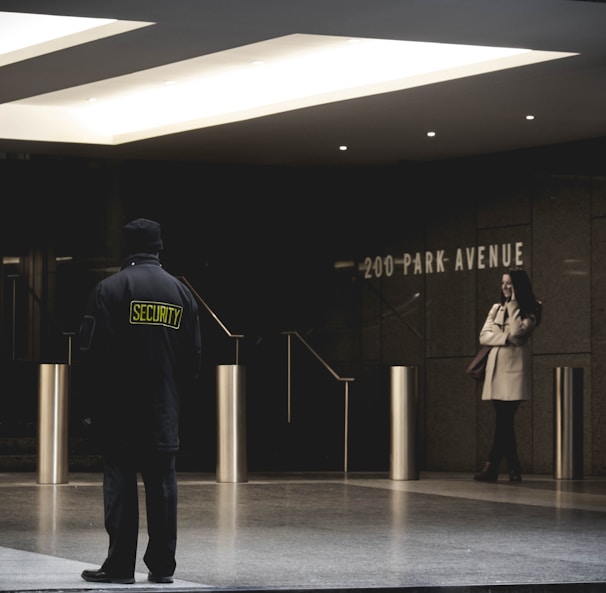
x: 324, y: 531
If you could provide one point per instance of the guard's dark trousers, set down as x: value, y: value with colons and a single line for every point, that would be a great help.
x: 121, y: 500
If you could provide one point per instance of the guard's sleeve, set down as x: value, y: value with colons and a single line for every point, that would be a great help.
x: 96, y: 327
x: 87, y: 331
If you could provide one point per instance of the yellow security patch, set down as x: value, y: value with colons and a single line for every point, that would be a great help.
x: 153, y: 313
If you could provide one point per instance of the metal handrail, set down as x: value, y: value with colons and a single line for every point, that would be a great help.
x: 237, y: 337
x: 345, y: 380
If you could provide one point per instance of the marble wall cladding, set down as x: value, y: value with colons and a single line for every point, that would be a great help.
x: 561, y: 234
x: 450, y: 289
x: 597, y: 421
x: 597, y: 190
x: 450, y: 416
x: 505, y: 202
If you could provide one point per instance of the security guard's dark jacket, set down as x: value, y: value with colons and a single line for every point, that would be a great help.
x: 140, y: 340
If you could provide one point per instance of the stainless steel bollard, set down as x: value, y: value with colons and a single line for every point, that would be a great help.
x: 52, y: 423
x: 403, y: 462
x: 231, y: 424
x: 568, y: 423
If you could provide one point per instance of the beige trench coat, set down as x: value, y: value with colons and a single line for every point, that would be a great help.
x: 509, y: 367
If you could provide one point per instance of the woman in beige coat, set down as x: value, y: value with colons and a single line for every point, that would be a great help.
x: 508, y: 380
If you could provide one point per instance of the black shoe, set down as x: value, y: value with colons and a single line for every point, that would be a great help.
x: 156, y: 578
x: 515, y: 476
x: 100, y: 576
x: 487, y: 474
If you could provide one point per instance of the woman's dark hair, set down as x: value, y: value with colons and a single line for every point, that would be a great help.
x: 529, y: 304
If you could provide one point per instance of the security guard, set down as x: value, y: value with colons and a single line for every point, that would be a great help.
x: 141, y: 347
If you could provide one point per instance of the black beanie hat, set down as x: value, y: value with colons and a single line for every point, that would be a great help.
x: 143, y: 236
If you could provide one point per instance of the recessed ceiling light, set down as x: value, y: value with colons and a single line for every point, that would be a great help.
x: 299, y: 71
x: 530, y: 117
x: 431, y: 134
x: 342, y: 148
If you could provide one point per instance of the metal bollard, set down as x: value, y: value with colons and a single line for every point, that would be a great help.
x: 52, y: 423
x: 568, y: 423
x: 231, y: 424
x: 403, y: 463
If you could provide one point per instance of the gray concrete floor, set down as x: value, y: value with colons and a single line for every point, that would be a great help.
x: 323, y: 531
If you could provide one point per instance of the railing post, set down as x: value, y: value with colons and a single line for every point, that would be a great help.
x: 231, y: 424
x: 52, y: 424
x: 568, y: 423
x: 346, y: 430
x: 404, y: 396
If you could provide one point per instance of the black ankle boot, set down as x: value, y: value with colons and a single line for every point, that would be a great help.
x: 488, y: 474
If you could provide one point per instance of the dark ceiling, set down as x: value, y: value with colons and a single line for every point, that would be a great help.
x: 473, y: 116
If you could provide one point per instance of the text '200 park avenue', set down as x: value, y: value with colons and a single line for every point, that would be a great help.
x: 476, y: 257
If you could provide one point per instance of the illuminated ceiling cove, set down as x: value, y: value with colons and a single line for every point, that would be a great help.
x: 331, y: 82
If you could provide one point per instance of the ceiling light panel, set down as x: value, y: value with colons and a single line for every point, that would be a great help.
x: 283, y: 74
x: 27, y: 35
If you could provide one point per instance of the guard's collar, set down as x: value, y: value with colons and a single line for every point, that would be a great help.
x: 136, y: 259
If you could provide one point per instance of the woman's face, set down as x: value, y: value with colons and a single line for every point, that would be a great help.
x: 507, y: 286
